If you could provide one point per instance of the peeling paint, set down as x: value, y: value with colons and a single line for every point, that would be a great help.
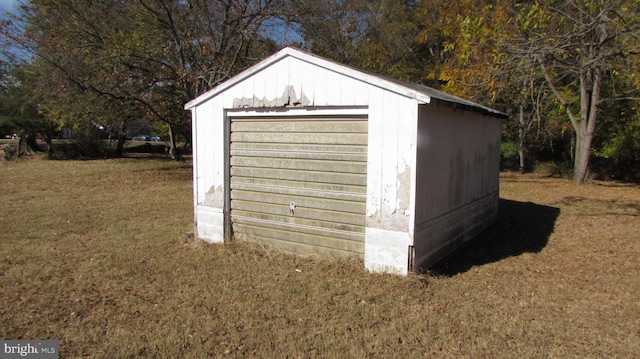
x: 394, y: 211
x: 404, y: 189
x: 289, y: 98
x: 214, y: 197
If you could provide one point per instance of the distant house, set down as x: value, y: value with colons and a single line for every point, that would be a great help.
x: 308, y: 155
x: 137, y: 127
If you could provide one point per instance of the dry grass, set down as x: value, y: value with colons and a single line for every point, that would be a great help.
x: 95, y: 254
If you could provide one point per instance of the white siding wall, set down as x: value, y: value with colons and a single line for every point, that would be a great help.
x: 391, y: 179
x: 208, y: 170
x: 459, y: 159
x: 458, y: 179
x: 391, y: 158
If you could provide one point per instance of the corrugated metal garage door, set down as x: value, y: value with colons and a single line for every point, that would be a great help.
x: 299, y: 184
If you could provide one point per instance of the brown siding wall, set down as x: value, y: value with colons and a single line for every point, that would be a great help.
x: 318, y: 164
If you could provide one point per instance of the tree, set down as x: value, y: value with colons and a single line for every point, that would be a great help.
x: 196, y: 45
x: 472, y: 64
x: 330, y: 28
x: 616, y: 142
x: 20, y: 107
x: 153, y: 55
x: 376, y: 36
x: 578, y: 45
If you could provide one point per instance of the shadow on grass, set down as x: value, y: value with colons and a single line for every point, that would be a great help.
x: 521, y: 227
x: 154, y: 150
x: 146, y: 147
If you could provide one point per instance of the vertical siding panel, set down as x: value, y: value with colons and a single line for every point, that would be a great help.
x: 217, y: 147
x: 281, y: 76
x: 387, y: 233
x: 295, y: 76
x: 334, y: 88
x: 407, y: 157
x: 308, y: 81
x: 390, y: 143
x: 321, y: 81
x: 457, y: 196
x: 240, y: 89
x: 361, y: 93
x: 390, y: 148
x: 249, y: 88
x: 259, y: 90
x: 195, y: 146
x: 231, y: 93
x: 374, y: 162
x: 208, y: 169
x: 210, y: 154
x: 347, y: 91
x: 203, y: 151
x: 269, y: 79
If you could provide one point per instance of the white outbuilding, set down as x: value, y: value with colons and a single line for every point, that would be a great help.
x: 308, y: 155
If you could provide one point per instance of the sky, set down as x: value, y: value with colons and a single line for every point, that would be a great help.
x: 8, y: 5
x: 11, y: 6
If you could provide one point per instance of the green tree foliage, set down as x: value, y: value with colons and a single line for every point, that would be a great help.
x: 578, y: 46
x: 377, y: 36
x: 150, y: 56
x: 567, y: 72
x: 616, y: 142
x: 533, y: 58
x: 466, y: 33
x: 473, y: 64
x: 20, y: 111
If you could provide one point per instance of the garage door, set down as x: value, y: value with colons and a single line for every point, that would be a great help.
x: 299, y: 184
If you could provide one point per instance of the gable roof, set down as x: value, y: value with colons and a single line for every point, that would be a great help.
x: 421, y: 93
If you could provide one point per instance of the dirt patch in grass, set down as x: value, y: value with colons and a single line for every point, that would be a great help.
x: 96, y: 254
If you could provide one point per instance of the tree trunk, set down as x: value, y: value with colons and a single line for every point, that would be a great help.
x: 32, y: 142
x: 581, y: 158
x: 589, y: 100
x: 49, y: 146
x: 120, y: 145
x: 521, y: 141
x: 121, y: 139
x: 173, y: 150
x: 19, y: 150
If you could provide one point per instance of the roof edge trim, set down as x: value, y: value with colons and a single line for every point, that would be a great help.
x: 420, y: 93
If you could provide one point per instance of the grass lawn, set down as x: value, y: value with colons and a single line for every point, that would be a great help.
x: 96, y: 254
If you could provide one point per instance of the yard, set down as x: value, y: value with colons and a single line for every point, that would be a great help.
x: 98, y: 255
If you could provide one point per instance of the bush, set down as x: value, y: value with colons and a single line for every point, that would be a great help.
x: 510, y: 158
x: 85, y: 144
x: 553, y: 169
